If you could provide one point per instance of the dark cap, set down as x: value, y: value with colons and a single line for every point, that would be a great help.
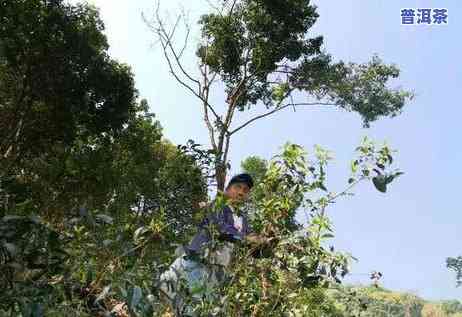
x: 242, y: 178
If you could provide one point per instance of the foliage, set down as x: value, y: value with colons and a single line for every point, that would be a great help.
x: 57, y: 80
x: 455, y: 264
x: 92, y: 198
x: 452, y: 306
x: 377, y: 301
x: 433, y: 310
x: 256, y: 167
x: 261, y: 52
x: 132, y: 207
x: 296, y: 262
x: 373, y: 301
x: 111, y: 209
x: 264, y: 44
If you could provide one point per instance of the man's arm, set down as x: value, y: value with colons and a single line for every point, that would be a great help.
x: 227, y: 230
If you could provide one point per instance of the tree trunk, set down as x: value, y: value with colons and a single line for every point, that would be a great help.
x: 220, y: 172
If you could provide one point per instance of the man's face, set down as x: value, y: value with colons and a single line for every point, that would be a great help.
x: 238, y: 192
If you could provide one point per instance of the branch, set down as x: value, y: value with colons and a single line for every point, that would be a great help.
x: 232, y: 100
x: 232, y: 7
x: 276, y: 110
x: 186, y: 39
x: 20, y: 113
x: 285, y: 66
x: 203, y: 67
x: 16, y: 138
x: 165, y: 39
x: 172, y: 70
x: 233, y: 97
x: 227, y: 142
x: 284, y: 72
x: 220, y: 11
x: 346, y: 190
x: 235, y: 94
x: 205, y: 94
x: 161, y: 31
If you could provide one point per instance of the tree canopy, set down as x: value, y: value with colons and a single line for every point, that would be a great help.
x: 89, y: 188
x: 57, y: 80
x: 263, y: 53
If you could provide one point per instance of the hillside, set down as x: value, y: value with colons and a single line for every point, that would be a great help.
x: 377, y: 302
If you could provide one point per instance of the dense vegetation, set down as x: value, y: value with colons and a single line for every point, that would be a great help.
x: 94, y: 201
x: 89, y: 189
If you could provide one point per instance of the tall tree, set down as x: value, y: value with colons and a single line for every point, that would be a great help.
x: 455, y: 264
x: 57, y: 80
x: 85, y: 175
x: 260, y: 50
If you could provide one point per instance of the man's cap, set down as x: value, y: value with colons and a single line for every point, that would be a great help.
x: 242, y: 178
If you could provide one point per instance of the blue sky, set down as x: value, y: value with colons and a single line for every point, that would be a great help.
x: 406, y: 233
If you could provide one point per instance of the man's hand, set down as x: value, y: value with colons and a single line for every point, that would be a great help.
x: 260, y: 246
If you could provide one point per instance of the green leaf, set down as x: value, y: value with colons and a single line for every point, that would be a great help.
x: 390, y: 158
x: 90, y: 275
x: 354, y: 166
x: 107, y: 242
x: 380, y: 183
x: 397, y: 174
x: 123, y: 292
x: 105, y: 218
x: 391, y: 177
x: 11, y: 248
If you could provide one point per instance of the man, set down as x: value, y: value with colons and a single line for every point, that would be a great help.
x: 193, y: 275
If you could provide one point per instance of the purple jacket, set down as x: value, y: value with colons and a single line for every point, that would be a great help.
x: 225, y: 224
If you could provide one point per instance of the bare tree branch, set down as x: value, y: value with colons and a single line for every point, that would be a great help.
x: 232, y: 7
x: 172, y: 70
x: 205, y: 94
x: 161, y: 31
x: 232, y: 101
x: 165, y: 39
x: 220, y: 11
x: 227, y: 142
x: 186, y: 38
x: 15, y: 128
x: 276, y: 110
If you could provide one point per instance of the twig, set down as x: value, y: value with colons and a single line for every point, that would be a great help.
x: 276, y: 110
